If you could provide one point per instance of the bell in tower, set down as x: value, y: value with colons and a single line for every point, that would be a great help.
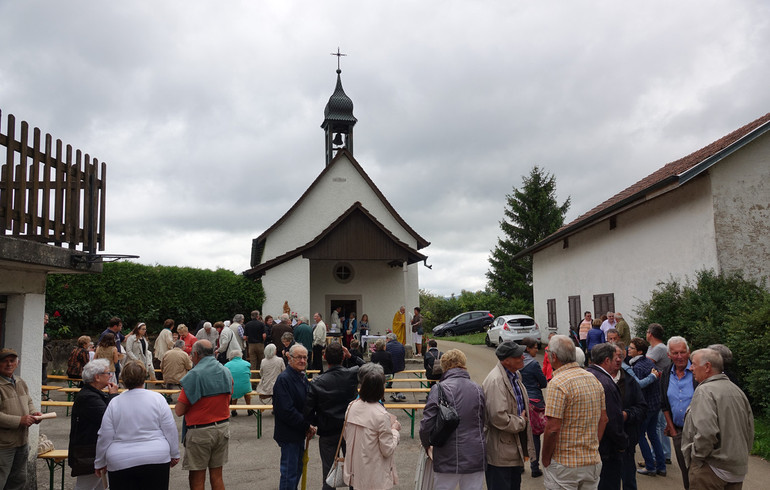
x: 338, y: 118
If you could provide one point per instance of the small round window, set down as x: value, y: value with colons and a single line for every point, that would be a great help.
x: 343, y: 272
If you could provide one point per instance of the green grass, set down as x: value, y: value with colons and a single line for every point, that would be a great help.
x: 761, y: 437
x: 471, y: 338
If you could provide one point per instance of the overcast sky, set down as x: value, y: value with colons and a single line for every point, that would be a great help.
x: 208, y: 113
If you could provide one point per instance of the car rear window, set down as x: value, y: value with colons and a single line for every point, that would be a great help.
x: 521, y: 322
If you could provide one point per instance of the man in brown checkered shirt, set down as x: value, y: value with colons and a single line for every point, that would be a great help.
x: 575, y: 421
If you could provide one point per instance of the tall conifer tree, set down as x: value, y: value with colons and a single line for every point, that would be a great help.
x: 531, y: 214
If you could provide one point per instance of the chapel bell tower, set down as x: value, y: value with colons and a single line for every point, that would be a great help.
x: 338, y: 118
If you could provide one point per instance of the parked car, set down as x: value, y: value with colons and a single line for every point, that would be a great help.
x: 468, y: 322
x: 513, y: 327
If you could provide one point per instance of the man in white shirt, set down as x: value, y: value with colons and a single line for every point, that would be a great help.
x: 609, y: 322
x: 319, y: 342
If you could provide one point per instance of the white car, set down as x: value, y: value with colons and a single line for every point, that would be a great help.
x: 512, y: 327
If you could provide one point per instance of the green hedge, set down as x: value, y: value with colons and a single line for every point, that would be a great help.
x: 83, y: 304
x: 719, y: 309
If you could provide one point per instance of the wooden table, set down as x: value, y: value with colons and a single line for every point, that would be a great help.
x: 55, y: 458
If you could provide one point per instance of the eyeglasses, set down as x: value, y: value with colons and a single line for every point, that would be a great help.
x: 300, y: 357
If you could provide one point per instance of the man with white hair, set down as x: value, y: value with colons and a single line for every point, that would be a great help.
x: 175, y: 365
x: 237, y: 328
x: 575, y: 421
x: 677, y: 385
x: 719, y: 429
x: 207, y: 333
x: 291, y: 426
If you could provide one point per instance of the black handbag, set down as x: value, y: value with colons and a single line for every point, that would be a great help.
x: 447, y: 420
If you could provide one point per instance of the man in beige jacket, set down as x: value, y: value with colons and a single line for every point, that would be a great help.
x: 719, y: 428
x: 509, y: 433
x: 175, y: 364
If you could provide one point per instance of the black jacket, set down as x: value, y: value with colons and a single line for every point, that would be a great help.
x: 328, y: 399
x: 87, y: 412
x: 614, y: 440
x: 384, y: 359
x: 431, y: 358
x: 634, y: 405
x: 289, y: 397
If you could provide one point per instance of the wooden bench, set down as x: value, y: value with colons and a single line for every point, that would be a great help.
x: 45, y: 391
x: 61, y: 377
x: 55, y: 458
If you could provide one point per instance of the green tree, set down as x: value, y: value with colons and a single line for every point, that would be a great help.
x: 531, y: 214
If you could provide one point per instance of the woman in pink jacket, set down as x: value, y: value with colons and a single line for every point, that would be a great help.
x: 371, y: 437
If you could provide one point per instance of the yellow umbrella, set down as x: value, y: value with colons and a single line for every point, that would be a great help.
x: 305, y: 459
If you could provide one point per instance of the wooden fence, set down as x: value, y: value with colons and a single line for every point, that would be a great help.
x: 46, y: 195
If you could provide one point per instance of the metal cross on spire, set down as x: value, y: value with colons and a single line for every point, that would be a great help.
x: 338, y: 55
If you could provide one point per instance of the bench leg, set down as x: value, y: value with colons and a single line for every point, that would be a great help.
x: 411, y: 416
x: 52, y: 464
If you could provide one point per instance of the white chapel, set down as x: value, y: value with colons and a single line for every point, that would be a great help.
x: 353, y: 250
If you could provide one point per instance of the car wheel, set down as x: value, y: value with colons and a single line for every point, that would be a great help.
x: 487, y: 341
x: 449, y: 333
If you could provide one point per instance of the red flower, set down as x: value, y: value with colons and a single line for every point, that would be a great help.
x: 56, y: 314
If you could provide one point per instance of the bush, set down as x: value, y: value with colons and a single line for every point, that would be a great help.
x: 719, y: 309
x: 135, y: 292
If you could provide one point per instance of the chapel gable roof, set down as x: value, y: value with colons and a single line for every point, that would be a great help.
x: 373, y: 242
x: 666, y: 178
x: 258, y: 244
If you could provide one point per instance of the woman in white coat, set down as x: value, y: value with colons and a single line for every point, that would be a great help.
x: 138, y: 348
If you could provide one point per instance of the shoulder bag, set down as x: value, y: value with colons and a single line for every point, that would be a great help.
x: 447, y: 420
x: 335, y: 478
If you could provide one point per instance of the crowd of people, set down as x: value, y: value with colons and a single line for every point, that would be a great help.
x: 212, y: 373
x: 582, y: 433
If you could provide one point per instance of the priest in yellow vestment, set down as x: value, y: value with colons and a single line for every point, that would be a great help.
x: 399, y: 325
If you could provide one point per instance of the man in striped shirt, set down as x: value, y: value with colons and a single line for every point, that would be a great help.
x: 575, y: 421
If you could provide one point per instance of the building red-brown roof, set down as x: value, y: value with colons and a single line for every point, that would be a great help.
x: 675, y: 173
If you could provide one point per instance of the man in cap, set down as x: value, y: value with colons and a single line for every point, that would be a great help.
x: 17, y: 415
x: 575, y: 421
x: 509, y: 434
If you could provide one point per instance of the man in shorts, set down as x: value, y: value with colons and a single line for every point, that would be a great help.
x: 206, y: 410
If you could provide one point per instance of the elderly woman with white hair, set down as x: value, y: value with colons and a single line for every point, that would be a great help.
x: 87, y: 412
x: 241, y: 371
x: 269, y: 369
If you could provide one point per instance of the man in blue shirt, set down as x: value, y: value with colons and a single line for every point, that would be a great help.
x: 677, y: 387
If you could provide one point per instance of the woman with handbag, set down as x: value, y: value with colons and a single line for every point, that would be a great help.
x: 371, y: 435
x: 87, y: 412
x: 534, y: 381
x: 460, y: 458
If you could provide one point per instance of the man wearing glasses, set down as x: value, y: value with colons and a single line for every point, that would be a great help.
x: 291, y: 426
